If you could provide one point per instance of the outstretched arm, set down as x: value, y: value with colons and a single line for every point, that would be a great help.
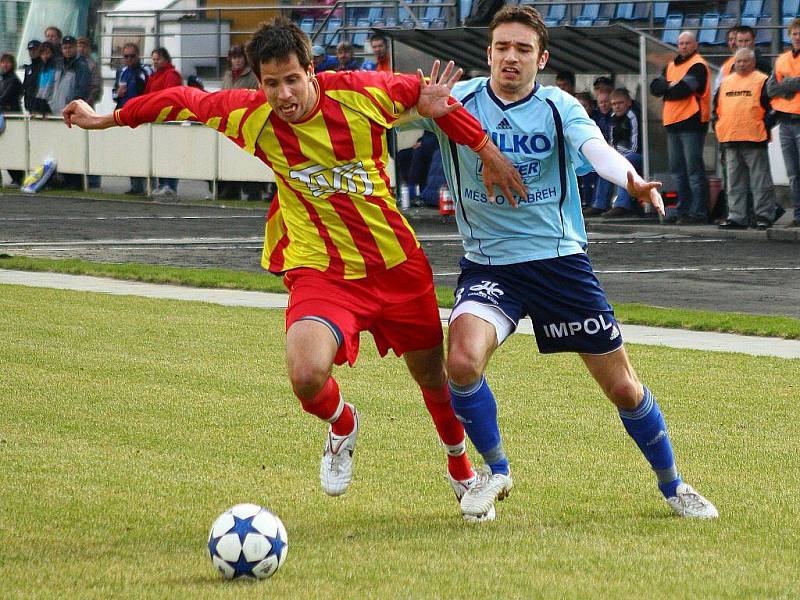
x: 612, y: 166
x: 79, y: 113
x: 436, y: 102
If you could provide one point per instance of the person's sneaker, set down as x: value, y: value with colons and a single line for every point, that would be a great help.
x: 763, y: 224
x: 164, y: 192
x: 617, y: 212
x: 593, y: 212
x: 477, y: 504
x: 729, y: 224
x: 688, y: 503
x: 336, y: 468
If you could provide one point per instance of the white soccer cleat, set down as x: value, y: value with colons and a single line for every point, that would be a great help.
x: 477, y: 504
x: 460, y: 486
x: 336, y: 468
x: 688, y: 503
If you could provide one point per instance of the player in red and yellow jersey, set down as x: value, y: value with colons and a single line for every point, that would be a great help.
x: 351, y: 261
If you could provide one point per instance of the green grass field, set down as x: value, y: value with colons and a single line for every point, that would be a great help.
x: 128, y: 424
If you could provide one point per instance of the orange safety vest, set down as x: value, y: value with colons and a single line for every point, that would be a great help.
x: 676, y: 111
x: 741, y: 116
x: 727, y: 67
x: 787, y: 66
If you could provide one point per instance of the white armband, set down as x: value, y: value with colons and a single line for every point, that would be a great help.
x: 609, y: 164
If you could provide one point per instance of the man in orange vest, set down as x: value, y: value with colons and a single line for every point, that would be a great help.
x: 742, y: 119
x: 685, y: 86
x: 782, y: 87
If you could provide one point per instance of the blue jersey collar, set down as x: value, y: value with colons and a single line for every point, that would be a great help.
x: 502, y: 105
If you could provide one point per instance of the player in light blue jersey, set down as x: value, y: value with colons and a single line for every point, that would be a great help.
x: 527, y: 257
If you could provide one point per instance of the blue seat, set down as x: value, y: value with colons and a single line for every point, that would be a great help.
x: 465, y: 6
x: 660, y: 11
x: 786, y: 20
x: 361, y: 36
x: 434, y: 12
x: 556, y: 14
x: 708, y: 29
x: 790, y: 8
x: 584, y: 21
x: 725, y: 23
x: 625, y: 11
x: 731, y: 7
x: 749, y: 21
x: 672, y: 28
x: 753, y: 8
x: 332, y: 35
x: 375, y: 14
x: 691, y: 22
x: 590, y: 10
x: 764, y: 36
x: 307, y: 25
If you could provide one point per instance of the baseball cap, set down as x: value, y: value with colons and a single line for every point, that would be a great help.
x: 317, y: 51
x: 68, y: 39
x: 34, y: 44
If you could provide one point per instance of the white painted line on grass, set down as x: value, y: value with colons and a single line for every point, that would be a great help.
x: 635, y: 334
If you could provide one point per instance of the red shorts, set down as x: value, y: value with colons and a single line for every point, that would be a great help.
x: 398, y: 307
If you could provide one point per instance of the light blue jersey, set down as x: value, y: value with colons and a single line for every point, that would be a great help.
x: 542, y: 135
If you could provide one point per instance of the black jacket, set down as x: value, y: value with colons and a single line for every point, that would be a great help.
x: 10, y: 91
x: 30, y: 85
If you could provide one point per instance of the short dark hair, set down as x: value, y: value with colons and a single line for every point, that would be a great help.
x: 54, y: 28
x: 603, y: 81
x: 734, y: 29
x: 746, y: 29
x: 622, y: 92
x: 163, y: 53
x: 236, y: 50
x: 131, y: 45
x: 277, y: 40
x: 47, y: 46
x: 377, y: 36
x: 566, y: 76
x: 793, y: 24
x: 12, y: 58
x: 525, y: 14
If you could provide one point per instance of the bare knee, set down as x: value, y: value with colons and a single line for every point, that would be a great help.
x: 307, y: 380
x: 626, y: 393
x: 464, y: 366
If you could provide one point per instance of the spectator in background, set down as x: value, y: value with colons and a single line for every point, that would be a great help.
x: 414, y: 163
x: 72, y: 83
x: 782, y: 87
x: 239, y: 75
x: 322, y: 60
x: 46, y: 80
x: 727, y: 67
x: 10, y: 93
x: 626, y: 138
x: 344, y: 57
x: 603, y: 84
x: 129, y: 82
x: 30, y: 82
x: 53, y: 35
x: 72, y: 76
x: 164, y: 76
x: 587, y: 183
x: 685, y: 86
x: 565, y: 80
x: 95, y: 77
x: 601, y: 197
x: 742, y: 121
x: 10, y: 85
x: 380, y: 49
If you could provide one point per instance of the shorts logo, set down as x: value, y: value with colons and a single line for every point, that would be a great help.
x: 487, y: 289
x: 589, y: 326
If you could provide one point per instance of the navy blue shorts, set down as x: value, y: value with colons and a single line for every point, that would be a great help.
x: 561, y: 295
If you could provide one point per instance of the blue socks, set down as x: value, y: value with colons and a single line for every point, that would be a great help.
x: 647, y: 428
x: 476, y: 408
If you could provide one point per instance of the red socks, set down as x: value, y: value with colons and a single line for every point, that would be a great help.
x: 329, y: 406
x: 450, y: 430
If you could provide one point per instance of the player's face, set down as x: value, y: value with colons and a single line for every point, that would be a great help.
x: 289, y: 88
x: 515, y: 60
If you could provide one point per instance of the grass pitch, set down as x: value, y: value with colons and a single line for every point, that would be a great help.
x: 128, y: 424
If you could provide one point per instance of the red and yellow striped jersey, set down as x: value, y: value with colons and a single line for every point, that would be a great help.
x: 336, y: 212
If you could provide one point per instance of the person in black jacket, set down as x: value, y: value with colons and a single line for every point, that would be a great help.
x: 30, y: 83
x: 10, y: 91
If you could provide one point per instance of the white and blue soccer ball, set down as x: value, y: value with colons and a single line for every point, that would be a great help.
x: 247, y: 541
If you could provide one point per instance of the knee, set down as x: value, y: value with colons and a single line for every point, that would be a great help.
x: 464, y: 366
x: 307, y: 380
x: 625, y: 394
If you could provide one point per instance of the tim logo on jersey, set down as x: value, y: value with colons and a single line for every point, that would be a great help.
x: 320, y: 180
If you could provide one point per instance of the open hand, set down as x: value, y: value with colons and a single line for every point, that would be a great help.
x: 434, y: 95
x: 646, y: 192
x: 79, y: 113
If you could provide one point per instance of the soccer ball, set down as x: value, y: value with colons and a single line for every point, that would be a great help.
x: 247, y: 541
